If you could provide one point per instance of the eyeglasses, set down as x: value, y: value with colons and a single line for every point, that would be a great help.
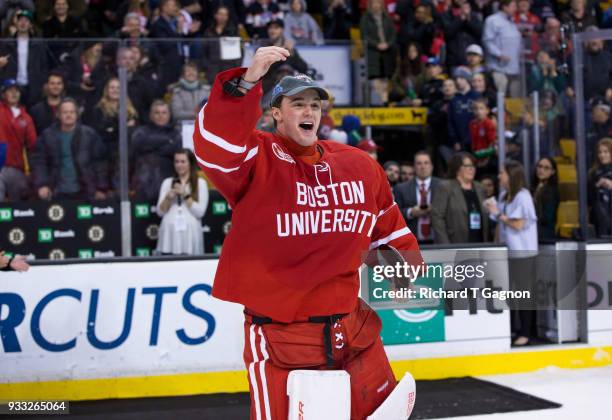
x: 468, y: 166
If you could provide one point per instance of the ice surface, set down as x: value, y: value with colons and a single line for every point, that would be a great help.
x: 585, y: 394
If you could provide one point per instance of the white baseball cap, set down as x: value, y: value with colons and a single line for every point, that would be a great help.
x: 474, y: 49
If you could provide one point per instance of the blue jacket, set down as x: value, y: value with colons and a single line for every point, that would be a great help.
x: 459, y: 117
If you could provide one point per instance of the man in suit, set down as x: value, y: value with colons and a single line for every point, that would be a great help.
x: 414, y: 197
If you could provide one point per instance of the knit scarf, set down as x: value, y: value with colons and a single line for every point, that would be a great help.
x: 190, y: 86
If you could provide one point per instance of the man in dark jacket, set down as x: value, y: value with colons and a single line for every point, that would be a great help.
x: 597, y: 69
x: 68, y: 161
x: 414, y: 197
x: 600, y: 127
x: 152, y: 152
x: 462, y: 28
x: 44, y: 113
x: 27, y: 60
x: 171, y: 53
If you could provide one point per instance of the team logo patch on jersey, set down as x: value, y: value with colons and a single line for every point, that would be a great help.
x: 280, y: 153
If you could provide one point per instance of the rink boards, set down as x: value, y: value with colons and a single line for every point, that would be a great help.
x: 128, y: 329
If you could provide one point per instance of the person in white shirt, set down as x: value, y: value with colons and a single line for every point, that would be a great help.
x: 182, y: 203
x: 518, y: 230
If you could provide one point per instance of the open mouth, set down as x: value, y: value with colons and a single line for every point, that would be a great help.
x: 308, y: 126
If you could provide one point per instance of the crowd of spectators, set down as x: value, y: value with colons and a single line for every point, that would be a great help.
x: 59, y: 116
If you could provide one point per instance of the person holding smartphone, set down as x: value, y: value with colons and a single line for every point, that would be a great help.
x: 182, y: 203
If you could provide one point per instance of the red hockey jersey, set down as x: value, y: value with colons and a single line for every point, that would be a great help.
x: 298, y: 230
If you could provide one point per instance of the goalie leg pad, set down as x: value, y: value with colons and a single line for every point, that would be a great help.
x: 399, y: 404
x: 319, y: 395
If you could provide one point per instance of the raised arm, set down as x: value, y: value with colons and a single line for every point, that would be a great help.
x: 225, y: 141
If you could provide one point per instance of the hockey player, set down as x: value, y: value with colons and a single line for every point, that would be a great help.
x: 304, y: 212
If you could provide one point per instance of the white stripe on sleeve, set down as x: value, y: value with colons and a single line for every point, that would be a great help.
x: 389, y: 238
x: 387, y: 209
x: 252, y: 152
x: 216, y: 140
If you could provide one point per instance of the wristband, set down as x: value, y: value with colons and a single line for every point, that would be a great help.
x: 246, y: 85
x: 231, y: 88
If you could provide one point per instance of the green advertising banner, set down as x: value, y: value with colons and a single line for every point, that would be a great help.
x: 418, y: 325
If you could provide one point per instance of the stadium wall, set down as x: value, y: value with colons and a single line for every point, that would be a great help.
x: 133, y: 329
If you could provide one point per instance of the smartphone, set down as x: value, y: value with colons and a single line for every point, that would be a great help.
x: 424, y: 206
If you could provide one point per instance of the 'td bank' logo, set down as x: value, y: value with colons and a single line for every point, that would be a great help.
x: 45, y: 235
x: 141, y: 211
x: 6, y: 215
x: 84, y: 212
x: 43, y: 320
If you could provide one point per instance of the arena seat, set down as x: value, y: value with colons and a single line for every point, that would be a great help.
x: 568, y: 148
x: 568, y: 191
x: 515, y: 107
x: 567, y: 173
x: 567, y: 218
x: 357, y: 44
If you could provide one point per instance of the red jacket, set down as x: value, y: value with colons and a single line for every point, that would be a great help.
x: 483, y: 134
x: 19, y: 134
x: 299, y: 231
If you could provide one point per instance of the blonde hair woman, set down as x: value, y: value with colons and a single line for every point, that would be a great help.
x: 104, y: 118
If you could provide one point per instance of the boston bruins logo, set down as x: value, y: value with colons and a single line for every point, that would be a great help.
x: 16, y: 236
x: 95, y: 233
x: 152, y: 232
x: 57, y: 254
x: 56, y: 213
